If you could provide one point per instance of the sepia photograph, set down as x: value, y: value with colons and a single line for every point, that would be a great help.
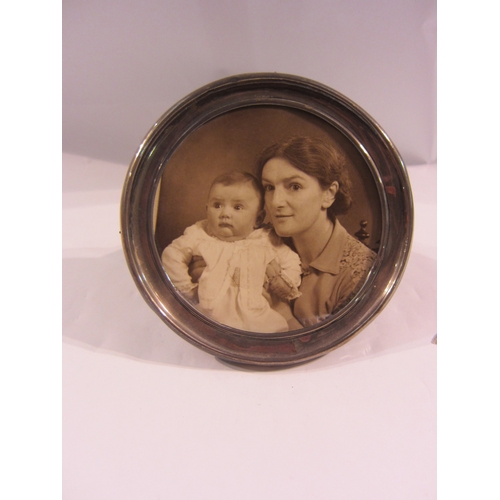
x: 268, y: 220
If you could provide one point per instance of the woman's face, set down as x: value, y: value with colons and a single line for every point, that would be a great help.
x: 295, y: 201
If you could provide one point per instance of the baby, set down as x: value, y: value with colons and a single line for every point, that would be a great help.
x: 237, y: 251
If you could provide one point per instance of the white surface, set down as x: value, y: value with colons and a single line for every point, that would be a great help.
x: 138, y: 430
x: 147, y: 415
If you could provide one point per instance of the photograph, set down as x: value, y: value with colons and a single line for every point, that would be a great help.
x: 268, y: 219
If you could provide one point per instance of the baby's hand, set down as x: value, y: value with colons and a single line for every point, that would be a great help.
x: 196, y: 268
x: 278, y: 283
x: 278, y: 286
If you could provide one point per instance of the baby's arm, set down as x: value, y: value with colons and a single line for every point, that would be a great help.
x: 283, y: 274
x: 175, y: 259
x: 279, y: 283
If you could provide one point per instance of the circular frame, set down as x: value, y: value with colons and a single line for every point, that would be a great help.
x: 283, y: 91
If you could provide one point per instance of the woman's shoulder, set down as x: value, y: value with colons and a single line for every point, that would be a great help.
x: 357, y: 256
x: 355, y: 264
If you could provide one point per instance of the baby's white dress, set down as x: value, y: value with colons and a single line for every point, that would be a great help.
x: 230, y: 288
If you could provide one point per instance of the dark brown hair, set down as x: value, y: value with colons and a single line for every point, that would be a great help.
x: 317, y: 159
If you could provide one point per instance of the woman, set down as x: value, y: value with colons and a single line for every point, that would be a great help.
x: 306, y: 186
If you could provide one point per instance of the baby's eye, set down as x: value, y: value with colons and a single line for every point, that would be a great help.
x: 217, y: 205
x: 238, y: 207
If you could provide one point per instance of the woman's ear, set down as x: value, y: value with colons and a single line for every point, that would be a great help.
x: 329, y: 195
x: 261, y: 215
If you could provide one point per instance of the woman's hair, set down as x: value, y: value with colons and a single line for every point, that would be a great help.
x: 317, y: 159
x: 236, y: 177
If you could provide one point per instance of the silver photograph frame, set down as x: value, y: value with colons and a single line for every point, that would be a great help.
x: 304, y: 98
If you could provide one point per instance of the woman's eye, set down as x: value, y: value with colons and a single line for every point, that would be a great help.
x: 268, y: 188
x: 295, y: 187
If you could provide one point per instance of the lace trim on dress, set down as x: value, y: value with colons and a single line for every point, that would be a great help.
x: 358, y: 258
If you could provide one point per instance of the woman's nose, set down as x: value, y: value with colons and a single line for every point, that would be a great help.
x: 278, y: 198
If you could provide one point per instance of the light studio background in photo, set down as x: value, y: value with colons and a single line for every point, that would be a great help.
x: 234, y: 142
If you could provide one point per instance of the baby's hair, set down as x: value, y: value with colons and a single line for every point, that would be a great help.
x: 236, y: 177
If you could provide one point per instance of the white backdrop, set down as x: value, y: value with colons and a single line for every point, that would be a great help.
x: 126, y: 62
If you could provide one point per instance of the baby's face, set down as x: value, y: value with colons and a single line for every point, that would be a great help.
x: 232, y: 211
